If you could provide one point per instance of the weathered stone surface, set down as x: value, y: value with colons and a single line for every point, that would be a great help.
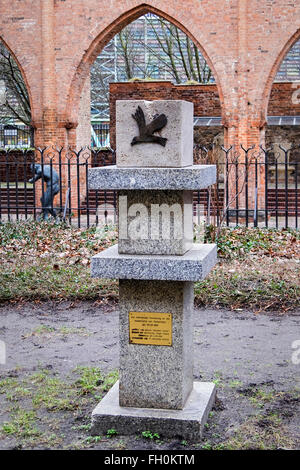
x: 155, y: 222
x: 154, y: 376
x: 191, y: 178
x: 156, y: 264
x: 178, y: 150
x: 194, y: 265
x: 187, y: 423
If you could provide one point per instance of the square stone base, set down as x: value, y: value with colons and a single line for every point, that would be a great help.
x: 155, y: 222
x: 187, y: 423
x: 156, y: 375
x: 178, y: 150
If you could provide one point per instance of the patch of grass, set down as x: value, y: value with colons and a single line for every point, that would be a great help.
x: 39, y: 397
x: 89, y: 379
x: 235, y: 383
x: 111, y: 432
x: 240, y: 242
x: 51, y: 393
x: 42, y: 260
x: 17, y: 393
x: 260, y: 397
x: 40, y: 331
x: 207, y: 446
x: 93, y: 439
x: 22, y: 424
x: 66, y: 330
x: 109, y: 380
x: 41, y: 281
x: 83, y: 427
x: 217, y: 380
x: 259, y: 269
x: 8, y: 384
x: 49, y: 331
x: 258, y: 284
x: 150, y: 435
x: 262, y: 432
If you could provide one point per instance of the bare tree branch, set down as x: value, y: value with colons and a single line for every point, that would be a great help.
x: 17, y: 104
x: 151, y: 47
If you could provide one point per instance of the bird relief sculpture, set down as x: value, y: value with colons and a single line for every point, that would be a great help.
x: 147, y: 130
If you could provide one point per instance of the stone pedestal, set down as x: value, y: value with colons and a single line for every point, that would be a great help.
x: 155, y: 222
x: 157, y: 376
x: 184, y: 424
x: 156, y: 263
x: 194, y: 265
x: 179, y: 129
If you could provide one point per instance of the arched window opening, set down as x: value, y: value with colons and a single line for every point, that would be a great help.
x: 15, y: 112
x: 289, y: 70
x: 152, y: 49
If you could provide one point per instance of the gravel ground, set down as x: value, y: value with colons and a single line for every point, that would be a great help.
x: 248, y: 356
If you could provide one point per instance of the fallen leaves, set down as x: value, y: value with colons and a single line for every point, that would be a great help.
x: 34, y: 241
x: 258, y: 269
x: 244, y: 242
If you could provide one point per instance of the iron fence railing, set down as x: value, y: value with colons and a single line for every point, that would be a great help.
x: 255, y: 187
x: 21, y: 136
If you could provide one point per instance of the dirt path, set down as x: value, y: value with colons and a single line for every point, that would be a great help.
x: 248, y: 356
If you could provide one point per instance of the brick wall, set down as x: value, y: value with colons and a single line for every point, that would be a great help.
x: 14, y: 165
x: 283, y: 100
x: 205, y: 97
x: 56, y: 43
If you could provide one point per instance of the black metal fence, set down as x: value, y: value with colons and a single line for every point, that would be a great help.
x: 21, y: 136
x: 255, y: 187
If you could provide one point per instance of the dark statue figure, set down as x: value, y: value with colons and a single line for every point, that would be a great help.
x: 50, y: 176
x: 146, y: 131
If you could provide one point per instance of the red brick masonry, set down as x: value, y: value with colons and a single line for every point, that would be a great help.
x: 283, y: 99
x: 56, y: 41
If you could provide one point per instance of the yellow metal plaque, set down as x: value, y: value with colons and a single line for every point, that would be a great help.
x: 150, y: 328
